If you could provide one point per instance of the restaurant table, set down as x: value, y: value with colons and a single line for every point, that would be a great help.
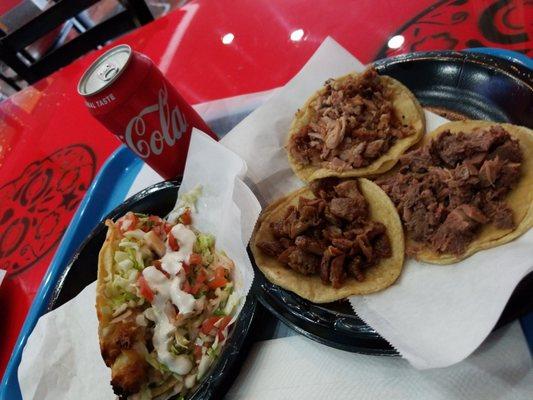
x: 208, y: 50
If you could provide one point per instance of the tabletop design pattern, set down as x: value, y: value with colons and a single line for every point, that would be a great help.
x: 38, y: 204
x: 454, y: 25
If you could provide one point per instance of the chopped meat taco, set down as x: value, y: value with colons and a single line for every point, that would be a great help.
x: 356, y: 125
x: 334, y: 239
x: 165, y: 301
x: 467, y: 187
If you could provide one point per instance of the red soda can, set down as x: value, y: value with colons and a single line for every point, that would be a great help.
x: 130, y: 96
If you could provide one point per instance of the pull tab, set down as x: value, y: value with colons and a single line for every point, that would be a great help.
x: 108, y: 71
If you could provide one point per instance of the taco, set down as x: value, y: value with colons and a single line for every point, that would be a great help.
x: 467, y: 187
x: 165, y: 301
x: 356, y: 125
x: 331, y: 240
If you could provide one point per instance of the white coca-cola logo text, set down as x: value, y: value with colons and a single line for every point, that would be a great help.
x: 172, y: 126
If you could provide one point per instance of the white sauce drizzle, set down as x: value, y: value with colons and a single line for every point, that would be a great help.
x: 126, y: 224
x: 169, y: 289
x: 172, y: 260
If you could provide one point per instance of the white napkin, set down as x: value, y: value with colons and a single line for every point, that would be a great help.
x: 61, y: 359
x: 435, y: 316
x: 298, y: 368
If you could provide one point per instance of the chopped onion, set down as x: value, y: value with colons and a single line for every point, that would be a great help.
x: 120, y: 309
x: 121, y: 317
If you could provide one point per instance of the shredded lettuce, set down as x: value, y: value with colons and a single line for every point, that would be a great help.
x: 204, y: 246
x: 135, y: 234
x: 205, y: 241
x: 118, y: 300
x: 120, y: 256
x: 185, y: 200
x: 213, y: 352
x: 146, y: 394
x: 135, y: 256
x: 189, y: 199
x: 232, y: 303
x: 180, y: 345
x: 175, y: 349
x: 129, y: 261
x: 154, y: 362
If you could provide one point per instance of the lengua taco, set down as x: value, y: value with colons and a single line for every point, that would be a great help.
x: 356, y: 125
x: 165, y: 301
x: 467, y: 187
x: 330, y: 240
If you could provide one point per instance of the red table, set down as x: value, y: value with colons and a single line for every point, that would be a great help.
x: 51, y: 148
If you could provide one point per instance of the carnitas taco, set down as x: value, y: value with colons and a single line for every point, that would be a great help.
x: 330, y: 240
x: 467, y: 187
x: 165, y: 301
x: 356, y: 125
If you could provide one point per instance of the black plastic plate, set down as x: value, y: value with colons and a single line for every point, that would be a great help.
x: 457, y: 85
x: 82, y: 270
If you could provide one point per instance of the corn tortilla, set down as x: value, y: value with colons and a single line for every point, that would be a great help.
x: 520, y: 199
x: 378, y: 277
x: 406, y: 108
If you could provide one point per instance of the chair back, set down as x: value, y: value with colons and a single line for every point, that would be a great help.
x: 13, y: 45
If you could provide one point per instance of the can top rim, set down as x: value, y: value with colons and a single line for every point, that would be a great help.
x: 89, y: 72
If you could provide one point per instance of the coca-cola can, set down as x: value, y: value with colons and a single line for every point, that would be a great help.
x: 130, y: 96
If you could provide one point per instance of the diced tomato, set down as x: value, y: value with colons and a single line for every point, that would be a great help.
x: 219, y: 280
x: 186, y: 268
x: 145, y: 290
x: 155, y: 219
x: 220, y: 272
x: 168, y: 227
x: 202, y: 276
x: 222, y: 325
x: 132, y: 219
x: 153, y: 224
x: 209, y: 324
x: 197, y: 352
x: 186, y: 218
x: 195, y: 259
x: 173, y: 243
x: 216, y: 283
x: 199, y: 283
x: 197, y: 288
x: 186, y: 287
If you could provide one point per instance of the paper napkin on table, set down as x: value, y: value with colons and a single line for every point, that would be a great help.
x: 434, y: 315
x: 61, y: 359
x: 297, y: 368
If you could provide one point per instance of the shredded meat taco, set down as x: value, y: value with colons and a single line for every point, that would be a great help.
x: 356, y: 125
x: 334, y: 239
x: 467, y: 187
x: 165, y: 301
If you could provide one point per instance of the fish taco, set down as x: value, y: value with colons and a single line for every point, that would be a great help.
x: 330, y: 240
x: 466, y: 187
x: 356, y: 125
x: 165, y: 302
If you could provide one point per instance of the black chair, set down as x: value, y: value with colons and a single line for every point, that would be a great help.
x: 13, y: 44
